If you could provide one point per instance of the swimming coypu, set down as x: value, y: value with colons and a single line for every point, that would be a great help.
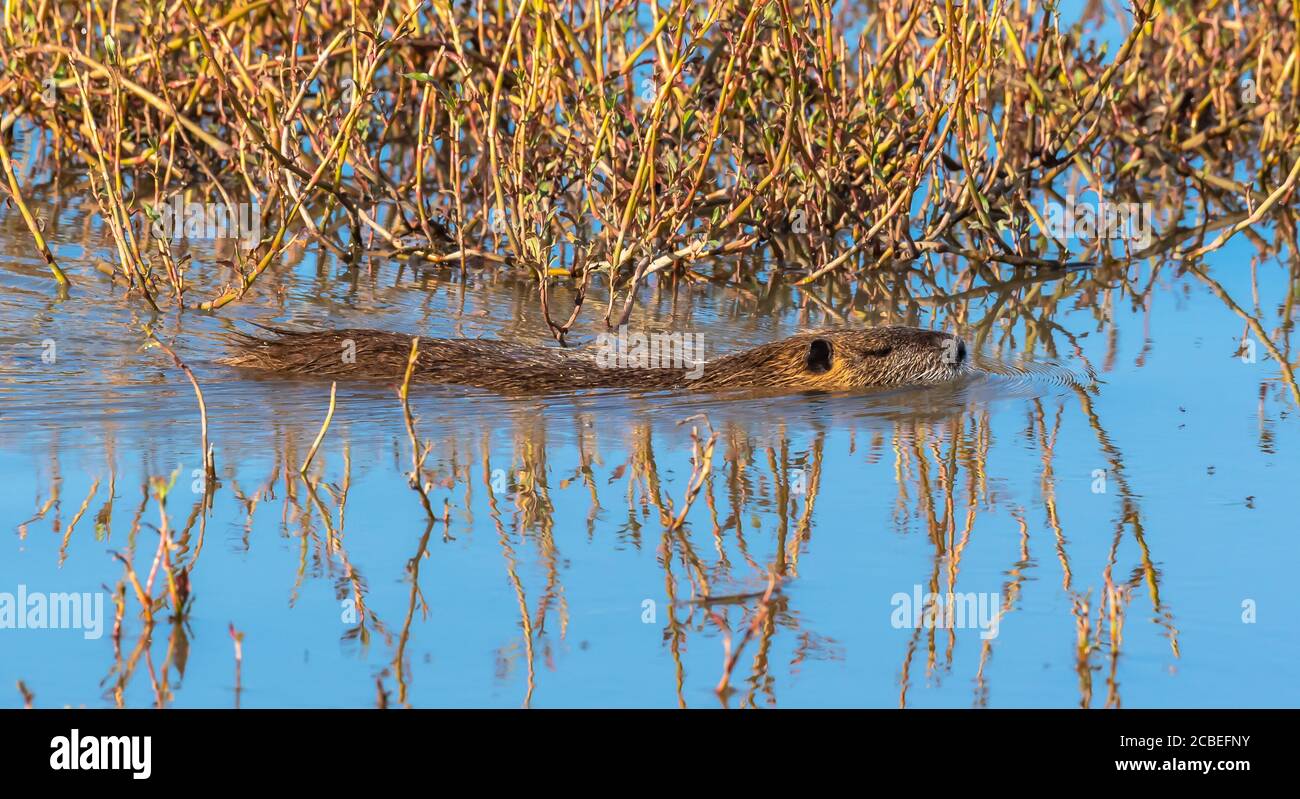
x: 823, y: 360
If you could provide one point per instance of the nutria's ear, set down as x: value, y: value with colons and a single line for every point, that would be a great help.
x: 819, y: 355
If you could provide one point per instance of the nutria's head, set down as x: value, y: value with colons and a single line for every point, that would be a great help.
x: 835, y: 360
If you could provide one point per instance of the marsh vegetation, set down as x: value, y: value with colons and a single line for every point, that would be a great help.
x: 1100, y: 200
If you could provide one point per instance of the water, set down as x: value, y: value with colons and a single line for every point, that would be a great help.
x: 1119, y: 467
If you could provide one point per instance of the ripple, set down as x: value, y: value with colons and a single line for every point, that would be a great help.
x: 1030, y: 378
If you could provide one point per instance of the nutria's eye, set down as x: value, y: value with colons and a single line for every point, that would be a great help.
x: 879, y: 351
x: 819, y: 356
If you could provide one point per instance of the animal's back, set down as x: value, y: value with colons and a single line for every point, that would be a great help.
x: 484, y: 363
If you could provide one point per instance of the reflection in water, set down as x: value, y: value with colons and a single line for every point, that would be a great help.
x: 730, y: 513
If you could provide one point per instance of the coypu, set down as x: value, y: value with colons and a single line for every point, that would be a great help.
x: 822, y: 360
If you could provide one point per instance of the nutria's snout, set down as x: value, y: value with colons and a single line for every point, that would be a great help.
x: 950, y: 348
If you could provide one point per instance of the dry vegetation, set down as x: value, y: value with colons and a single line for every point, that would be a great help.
x: 595, y: 144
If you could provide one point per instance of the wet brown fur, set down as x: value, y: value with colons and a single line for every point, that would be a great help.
x: 823, y: 360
